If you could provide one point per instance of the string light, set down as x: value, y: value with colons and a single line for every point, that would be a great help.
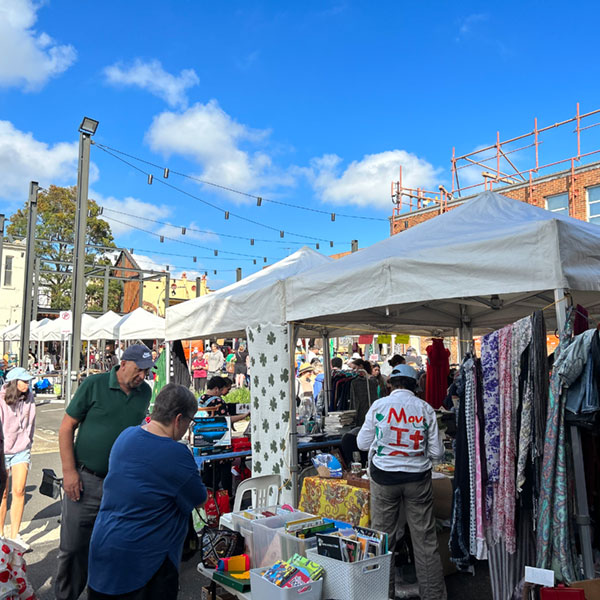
x: 206, y: 203
x: 259, y: 199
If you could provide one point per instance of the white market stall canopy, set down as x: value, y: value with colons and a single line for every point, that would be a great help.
x: 52, y: 330
x: 140, y: 325
x: 258, y: 298
x: 104, y: 327
x: 492, y: 260
x: 12, y: 333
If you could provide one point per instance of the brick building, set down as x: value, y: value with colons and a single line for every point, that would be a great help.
x: 574, y: 191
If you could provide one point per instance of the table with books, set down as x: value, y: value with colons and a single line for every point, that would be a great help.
x: 294, y: 554
x: 336, y: 499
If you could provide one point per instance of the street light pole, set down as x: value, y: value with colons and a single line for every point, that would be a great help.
x: 86, y: 131
x: 28, y: 281
x: 1, y: 244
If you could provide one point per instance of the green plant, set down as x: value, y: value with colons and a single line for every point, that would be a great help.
x: 238, y: 396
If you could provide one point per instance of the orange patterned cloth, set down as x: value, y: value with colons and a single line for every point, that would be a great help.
x: 335, y: 499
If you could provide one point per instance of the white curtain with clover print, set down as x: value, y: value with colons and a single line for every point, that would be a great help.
x: 270, y: 410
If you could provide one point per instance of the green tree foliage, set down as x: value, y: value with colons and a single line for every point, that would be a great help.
x: 56, y: 222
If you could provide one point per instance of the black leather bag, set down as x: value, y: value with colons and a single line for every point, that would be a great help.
x: 219, y: 543
x: 51, y: 485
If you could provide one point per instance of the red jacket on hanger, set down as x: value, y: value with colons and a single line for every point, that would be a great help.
x: 438, y: 368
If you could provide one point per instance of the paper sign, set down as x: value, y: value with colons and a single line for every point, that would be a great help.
x: 66, y: 321
x: 402, y: 339
x: 543, y: 577
x: 384, y: 339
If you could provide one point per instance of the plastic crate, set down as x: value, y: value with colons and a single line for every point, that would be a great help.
x: 271, y: 543
x: 561, y: 593
x: 265, y: 590
x: 369, y: 578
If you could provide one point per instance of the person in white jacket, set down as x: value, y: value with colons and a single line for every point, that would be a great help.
x: 401, y: 434
x: 215, y: 361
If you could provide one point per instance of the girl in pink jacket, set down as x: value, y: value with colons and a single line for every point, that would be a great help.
x: 17, y: 415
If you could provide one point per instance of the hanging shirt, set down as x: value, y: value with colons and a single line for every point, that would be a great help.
x: 402, y: 432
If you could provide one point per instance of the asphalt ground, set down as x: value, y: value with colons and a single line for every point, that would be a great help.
x: 41, y: 526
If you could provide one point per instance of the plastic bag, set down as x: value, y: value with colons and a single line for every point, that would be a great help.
x: 327, y: 465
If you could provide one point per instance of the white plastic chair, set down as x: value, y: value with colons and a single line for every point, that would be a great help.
x: 264, y: 489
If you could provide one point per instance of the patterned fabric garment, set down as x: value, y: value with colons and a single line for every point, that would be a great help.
x: 503, y: 516
x: 469, y: 370
x: 480, y: 541
x: 552, y: 545
x: 522, y: 331
x: 491, y: 413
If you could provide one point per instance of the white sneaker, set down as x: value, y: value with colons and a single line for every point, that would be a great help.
x: 21, y: 542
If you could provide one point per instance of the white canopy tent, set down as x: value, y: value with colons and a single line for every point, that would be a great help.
x: 12, y: 333
x: 140, y: 325
x: 486, y: 263
x: 479, y: 267
x: 51, y: 330
x: 258, y: 298
x: 104, y: 327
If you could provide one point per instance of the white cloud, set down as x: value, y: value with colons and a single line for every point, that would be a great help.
x: 24, y: 159
x: 206, y: 134
x: 28, y: 58
x: 367, y: 182
x: 122, y: 224
x: 151, y: 76
x: 467, y: 25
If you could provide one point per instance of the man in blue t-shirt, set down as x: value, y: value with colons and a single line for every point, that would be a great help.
x: 151, y: 488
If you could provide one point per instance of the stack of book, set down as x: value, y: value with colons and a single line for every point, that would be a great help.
x: 308, y: 527
x: 358, y: 544
x: 294, y: 572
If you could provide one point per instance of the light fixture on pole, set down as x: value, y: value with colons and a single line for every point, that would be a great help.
x: 87, y: 129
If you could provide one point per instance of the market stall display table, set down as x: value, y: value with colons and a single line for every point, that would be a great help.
x: 335, y: 499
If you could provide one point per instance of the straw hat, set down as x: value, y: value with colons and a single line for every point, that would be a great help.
x: 305, y: 368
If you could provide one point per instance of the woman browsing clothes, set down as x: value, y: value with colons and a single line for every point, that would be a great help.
x: 17, y: 414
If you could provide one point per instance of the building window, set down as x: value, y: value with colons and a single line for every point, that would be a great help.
x: 558, y: 203
x: 593, y: 203
x: 8, y: 267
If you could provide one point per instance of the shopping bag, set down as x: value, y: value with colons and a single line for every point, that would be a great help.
x: 13, y: 578
x: 217, y: 504
x: 219, y: 543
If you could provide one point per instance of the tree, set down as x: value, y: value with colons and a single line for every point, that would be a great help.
x: 54, y: 245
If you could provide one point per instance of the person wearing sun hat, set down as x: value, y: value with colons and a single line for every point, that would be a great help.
x: 17, y: 415
x: 304, y: 391
x: 401, y: 434
x: 103, y: 406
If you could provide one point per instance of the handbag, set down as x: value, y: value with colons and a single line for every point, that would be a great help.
x: 219, y: 543
x: 217, y: 504
x: 51, y: 484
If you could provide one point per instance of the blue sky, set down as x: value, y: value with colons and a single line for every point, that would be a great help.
x: 315, y: 104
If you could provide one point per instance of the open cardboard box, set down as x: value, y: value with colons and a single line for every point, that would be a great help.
x: 591, y: 588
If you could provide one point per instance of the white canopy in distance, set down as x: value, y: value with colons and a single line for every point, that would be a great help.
x: 258, y: 298
x: 140, y: 325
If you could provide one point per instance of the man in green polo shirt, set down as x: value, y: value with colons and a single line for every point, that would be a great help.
x: 103, y: 406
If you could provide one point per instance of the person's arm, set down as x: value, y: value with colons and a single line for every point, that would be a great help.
x: 366, y: 435
x: 221, y: 360
x: 3, y: 473
x: 435, y: 448
x: 31, y: 418
x: 66, y: 435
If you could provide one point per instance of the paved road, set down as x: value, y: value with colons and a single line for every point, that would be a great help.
x: 41, y: 525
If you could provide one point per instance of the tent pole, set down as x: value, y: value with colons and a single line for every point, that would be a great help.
x: 168, y: 362
x: 465, y: 339
x: 582, y: 518
x: 294, y: 469
x: 69, y: 367
x: 326, y: 373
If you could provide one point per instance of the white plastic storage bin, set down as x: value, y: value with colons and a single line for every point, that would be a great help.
x: 265, y: 590
x: 268, y: 544
x: 369, y: 578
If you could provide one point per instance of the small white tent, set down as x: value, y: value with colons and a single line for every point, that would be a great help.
x: 488, y: 262
x: 103, y: 327
x: 140, y: 325
x: 258, y: 298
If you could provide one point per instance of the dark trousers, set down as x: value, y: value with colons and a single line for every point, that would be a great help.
x: 76, y: 525
x: 199, y: 384
x: 164, y: 585
x: 349, y: 447
x: 392, y: 506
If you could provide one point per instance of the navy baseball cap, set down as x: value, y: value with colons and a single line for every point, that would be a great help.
x: 404, y: 371
x: 140, y: 355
